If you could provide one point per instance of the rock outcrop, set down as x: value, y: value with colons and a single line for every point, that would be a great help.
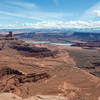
x: 10, y: 96
x: 28, y: 51
x: 11, y: 79
x: 9, y: 36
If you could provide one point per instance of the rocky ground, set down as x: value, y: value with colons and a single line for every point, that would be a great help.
x: 52, y: 73
x: 10, y: 96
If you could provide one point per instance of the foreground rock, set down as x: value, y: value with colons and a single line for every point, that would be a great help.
x: 11, y: 80
x: 10, y: 96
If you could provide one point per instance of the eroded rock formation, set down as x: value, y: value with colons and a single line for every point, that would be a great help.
x: 28, y: 51
x: 88, y: 44
x: 9, y: 36
x: 11, y: 80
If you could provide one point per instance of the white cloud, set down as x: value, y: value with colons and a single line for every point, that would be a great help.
x: 25, y: 10
x: 97, y: 12
x: 31, y: 11
x: 4, y: 17
x: 58, y: 24
x: 19, y: 15
x: 1, y: 26
x: 70, y: 24
x: 36, y: 15
x: 10, y: 26
x: 22, y: 4
x: 20, y: 9
x: 92, y: 12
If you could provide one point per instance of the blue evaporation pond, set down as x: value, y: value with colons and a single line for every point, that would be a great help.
x: 37, y: 42
x: 40, y: 42
x: 63, y: 44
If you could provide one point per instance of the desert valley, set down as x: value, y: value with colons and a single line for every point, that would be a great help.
x: 49, y: 49
x: 43, y: 71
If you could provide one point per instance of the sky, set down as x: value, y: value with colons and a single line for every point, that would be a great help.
x: 49, y: 13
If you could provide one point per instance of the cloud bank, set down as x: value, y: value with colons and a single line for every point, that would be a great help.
x: 56, y: 24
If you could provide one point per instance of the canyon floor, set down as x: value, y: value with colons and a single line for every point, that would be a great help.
x: 43, y: 72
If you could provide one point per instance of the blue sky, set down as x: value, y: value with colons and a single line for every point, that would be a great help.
x: 49, y: 13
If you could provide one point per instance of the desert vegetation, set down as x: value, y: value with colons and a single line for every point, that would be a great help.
x: 87, y: 59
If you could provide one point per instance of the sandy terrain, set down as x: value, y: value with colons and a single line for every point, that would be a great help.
x: 10, y: 96
x: 65, y: 78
